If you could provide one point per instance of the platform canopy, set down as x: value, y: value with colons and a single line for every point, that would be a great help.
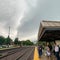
x: 49, y: 31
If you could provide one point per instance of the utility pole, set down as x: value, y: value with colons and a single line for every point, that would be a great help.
x: 8, y: 41
x: 9, y: 32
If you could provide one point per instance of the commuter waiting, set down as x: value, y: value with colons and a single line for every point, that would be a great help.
x: 56, y: 49
x: 40, y: 51
x: 48, y: 52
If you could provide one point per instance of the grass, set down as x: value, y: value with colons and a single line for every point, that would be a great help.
x: 8, y: 48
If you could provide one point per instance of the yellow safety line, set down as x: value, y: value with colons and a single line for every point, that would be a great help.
x: 36, y: 56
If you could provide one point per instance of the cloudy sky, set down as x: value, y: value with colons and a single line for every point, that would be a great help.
x: 24, y: 16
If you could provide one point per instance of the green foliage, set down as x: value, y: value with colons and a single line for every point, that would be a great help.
x: 27, y: 42
x: 19, y: 42
x: 8, y: 40
x: 41, y: 43
x: 5, y: 41
x: 2, y: 40
x: 16, y: 42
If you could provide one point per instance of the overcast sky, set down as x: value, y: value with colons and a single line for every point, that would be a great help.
x: 24, y: 16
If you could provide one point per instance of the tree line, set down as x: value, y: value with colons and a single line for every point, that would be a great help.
x: 9, y: 41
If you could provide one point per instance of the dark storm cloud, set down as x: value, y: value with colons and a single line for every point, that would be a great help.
x: 24, y: 16
x: 44, y: 10
x: 29, y: 24
x: 11, y: 12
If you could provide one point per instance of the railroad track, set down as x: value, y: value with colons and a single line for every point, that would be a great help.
x: 10, y: 52
x: 27, y: 54
x: 24, y: 53
x: 6, y: 50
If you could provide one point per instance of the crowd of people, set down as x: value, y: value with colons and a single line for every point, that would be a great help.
x: 50, y: 50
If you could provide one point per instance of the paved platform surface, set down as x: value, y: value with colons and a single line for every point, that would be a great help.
x: 46, y: 58
x: 43, y: 57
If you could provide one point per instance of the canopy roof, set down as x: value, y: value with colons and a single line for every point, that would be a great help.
x: 49, y: 31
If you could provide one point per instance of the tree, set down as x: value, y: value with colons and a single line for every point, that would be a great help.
x: 2, y: 40
x: 8, y: 40
x: 19, y: 42
x: 16, y: 41
x: 27, y: 42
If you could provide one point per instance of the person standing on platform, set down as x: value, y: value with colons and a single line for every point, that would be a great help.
x: 50, y: 47
x: 48, y: 52
x: 57, y: 51
x: 40, y: 50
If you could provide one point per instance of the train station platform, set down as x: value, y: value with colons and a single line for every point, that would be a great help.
x: 43, y: 57
x: 23, y: 53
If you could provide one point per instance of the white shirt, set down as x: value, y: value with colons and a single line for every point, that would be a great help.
x: 56, y: 49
